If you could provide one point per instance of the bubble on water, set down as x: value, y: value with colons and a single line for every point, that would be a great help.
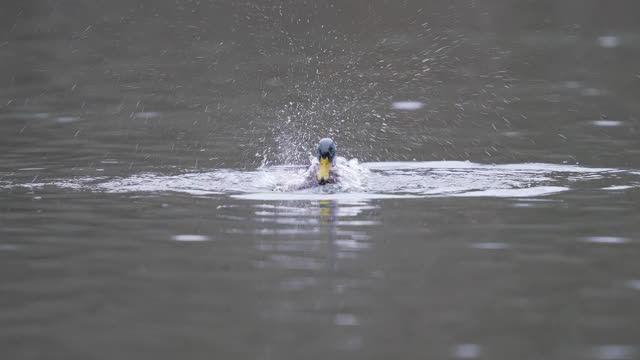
x: 407, y: 105
x: 190, y: 237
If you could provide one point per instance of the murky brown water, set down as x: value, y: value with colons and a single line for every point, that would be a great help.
x: 145, y: 212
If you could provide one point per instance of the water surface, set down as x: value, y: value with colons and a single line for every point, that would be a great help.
x: 151, y: 156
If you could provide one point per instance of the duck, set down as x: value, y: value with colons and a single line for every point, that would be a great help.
x: 326, y: 154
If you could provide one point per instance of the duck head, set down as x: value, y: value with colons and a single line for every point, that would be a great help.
x: 326, y: 154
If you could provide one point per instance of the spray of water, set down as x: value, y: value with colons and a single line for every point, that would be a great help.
x: 352, y: 177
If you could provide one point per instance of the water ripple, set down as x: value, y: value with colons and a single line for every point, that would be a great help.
x: 364, y: 182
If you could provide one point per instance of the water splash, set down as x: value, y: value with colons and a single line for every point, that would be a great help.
x: 362, y: 181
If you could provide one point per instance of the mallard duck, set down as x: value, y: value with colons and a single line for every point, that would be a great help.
x: 326, y: 157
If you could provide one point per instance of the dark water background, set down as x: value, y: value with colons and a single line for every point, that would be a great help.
x: 119, y: 88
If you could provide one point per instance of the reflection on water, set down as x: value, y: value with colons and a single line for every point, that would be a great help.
x: 329, y: 223
x: 315, y: 246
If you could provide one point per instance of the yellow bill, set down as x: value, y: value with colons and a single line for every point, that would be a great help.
x: 323, y: 170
